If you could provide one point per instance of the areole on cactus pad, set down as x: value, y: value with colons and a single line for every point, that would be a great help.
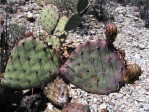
x: 30, y: 65
x: 95, y: 67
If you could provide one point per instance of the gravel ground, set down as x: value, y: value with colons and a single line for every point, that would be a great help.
x: 133, y: 37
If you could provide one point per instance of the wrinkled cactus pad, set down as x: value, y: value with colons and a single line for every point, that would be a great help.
x: 49, y: 17
x: 95, y: 67
x: 76, y: 107
x: 30, y: 65
x: 57, y: 92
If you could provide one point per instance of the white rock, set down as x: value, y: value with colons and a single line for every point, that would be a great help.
x: 50, y: 106
x: 29, y: 15
x: 141, y: 46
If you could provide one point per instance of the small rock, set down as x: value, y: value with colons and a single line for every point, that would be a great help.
x: 142, y: 46
x: 51, y: 108
x: 103, y: 106
x: 29, y: 15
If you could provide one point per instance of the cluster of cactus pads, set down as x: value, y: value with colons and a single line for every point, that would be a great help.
x: 96, y: 66
x: 53, y: 18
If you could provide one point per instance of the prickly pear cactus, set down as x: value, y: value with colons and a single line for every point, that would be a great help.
x: 95, y: 67
x: 68, y: 23
x: 76, y: 107
x: 55, y: 2
x: 82, y: 5
x: 73, y: 22
x: 53, y: 41
x: 76, y: 6
x: 39, y: 2
x: 62, y: 23
x: 30, y: 65
x: 49, y: 17
x: 57, y: 92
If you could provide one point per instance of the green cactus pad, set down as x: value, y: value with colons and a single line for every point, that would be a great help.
x: 55, y: 2
x: 82, y: 5
x: 73, y: 22
x: 95, y: 67
x: 49, y: 17
x: 30, y: 65
x: 39, y: 2
x: 62, y: 23
x: 76, y: 6
x: 53, y: 41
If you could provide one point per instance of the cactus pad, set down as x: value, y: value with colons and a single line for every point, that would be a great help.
x: 39, y: 2
x: 54, y: 42
x: 49, y: 17
x: 62, y: 23
x: 95, y: 67
x: 67, y: 24
x: 73, y: 22
x: 30, y: 65
x: 82, y: 5
x: 55, y: 2
x: 76, y: 6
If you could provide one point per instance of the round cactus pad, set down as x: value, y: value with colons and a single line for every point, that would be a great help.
x: 95, y: 67
x: 30, y: 65
x: 49, y: 17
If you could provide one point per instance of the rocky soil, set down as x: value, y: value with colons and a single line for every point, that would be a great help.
x: 133, y: 37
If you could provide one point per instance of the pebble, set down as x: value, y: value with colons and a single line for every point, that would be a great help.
x: 29, y: 15
x: 142, y: 46
x: 102, y: 107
